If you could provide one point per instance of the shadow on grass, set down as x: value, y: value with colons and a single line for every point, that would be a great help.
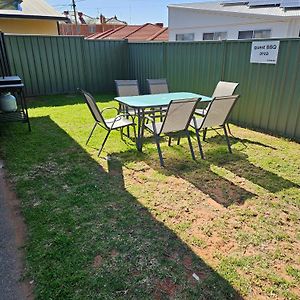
x: 63, y: 100
x: 199, y: 173
x: 239, y: 164
x: 202, y: 175
x: 89, y: 238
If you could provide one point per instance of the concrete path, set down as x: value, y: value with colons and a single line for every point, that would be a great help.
x: 10, y: 260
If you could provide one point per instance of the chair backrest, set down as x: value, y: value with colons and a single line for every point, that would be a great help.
x: 91, y: 103
x: 158, y: 86
x: 127, y: 88
x: 225, y: 88
x: 179, y: 115
x: 219, y: 111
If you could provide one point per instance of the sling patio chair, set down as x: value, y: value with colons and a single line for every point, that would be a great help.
x: 126, y: 88
x: 176, y: 122
x: 223, y: 88
x: 216, y: 116
x: 158, y: 86
x: 119, y: 122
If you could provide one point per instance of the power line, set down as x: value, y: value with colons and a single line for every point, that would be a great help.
x: 74, y: 9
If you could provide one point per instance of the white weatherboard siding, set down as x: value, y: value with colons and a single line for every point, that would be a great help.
x: 186, y: 20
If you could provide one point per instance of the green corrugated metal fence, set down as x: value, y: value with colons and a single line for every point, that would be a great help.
x: 60, y: 64
x: 270, y: 94
x: 104, y: 62
x: 48, y: 65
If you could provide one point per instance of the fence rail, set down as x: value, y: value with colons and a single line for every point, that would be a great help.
x: 270, y: 94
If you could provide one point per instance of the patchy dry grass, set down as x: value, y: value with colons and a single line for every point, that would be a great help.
x: 123, y: 228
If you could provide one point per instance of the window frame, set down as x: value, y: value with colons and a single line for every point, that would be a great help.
x: 184, y: 35
x: 255, y: 31
x: 92, y: 28
x: 214, y: 34
x: 262, y: 30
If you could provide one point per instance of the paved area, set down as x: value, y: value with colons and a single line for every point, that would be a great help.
x: 10, y: 287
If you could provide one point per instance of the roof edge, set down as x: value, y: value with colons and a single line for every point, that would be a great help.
x: 157, y: 34
x: 251, y: 14
x: 36, y: 17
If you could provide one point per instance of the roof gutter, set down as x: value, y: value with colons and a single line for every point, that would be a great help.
x: 15, y: 16
x: 235, y: 13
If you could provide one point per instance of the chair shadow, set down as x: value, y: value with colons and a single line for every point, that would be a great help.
x: 201, y: 175
x: 87, y: 230
x: 239, y: 164
x: 235, y: 140
x: 63, y: 100
x: 198, y: 173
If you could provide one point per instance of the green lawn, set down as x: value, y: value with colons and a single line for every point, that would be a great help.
x: 124, y: 228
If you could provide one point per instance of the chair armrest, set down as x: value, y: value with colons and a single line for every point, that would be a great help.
x: 150, y: 117
x: 109, y: 108
x: 118, y: 118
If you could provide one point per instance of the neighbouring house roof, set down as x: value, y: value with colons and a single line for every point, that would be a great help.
x: 146, y: 32
x: 271, y: 11
x: 33, y: 9
x: 115, y: 21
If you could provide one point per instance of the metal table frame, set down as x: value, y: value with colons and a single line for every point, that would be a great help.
x: 22, y: 113
x: 143, y: 102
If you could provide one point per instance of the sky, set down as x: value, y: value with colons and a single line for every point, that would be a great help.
x: 131, y: 11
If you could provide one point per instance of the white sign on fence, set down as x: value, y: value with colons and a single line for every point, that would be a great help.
x: 265, y: 52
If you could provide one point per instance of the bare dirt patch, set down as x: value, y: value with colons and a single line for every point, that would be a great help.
x: 19, y: 228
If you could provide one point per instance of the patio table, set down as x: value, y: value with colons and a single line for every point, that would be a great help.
x: 142, y: 102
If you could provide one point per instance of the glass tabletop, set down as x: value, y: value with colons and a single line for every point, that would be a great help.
x: 145, y: 101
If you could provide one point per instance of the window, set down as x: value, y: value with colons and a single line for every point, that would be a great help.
x: 208, y: 36
x: 262, y: 34
x: 255, y: 34
x: 185, y: 37
x: 214, y: 36
x: 92, y: 28
x: 244, y: 35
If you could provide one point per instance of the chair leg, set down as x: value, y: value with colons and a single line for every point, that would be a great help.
x: 128, y: 132
x: 191, y: 145
x: 229, y: 131
x: 199, y: 144
x: 122, y: 133
x: 120, y: 110
x: 143, y: 127
x: 159, y: 151
x: 134, y: 131
x: 227, y: 139
x: 102, y: 146
x: 170, y: 141
x: 204, y: 133
x: 178, y: 141
x: 161, y: 114
x: 91, y: 133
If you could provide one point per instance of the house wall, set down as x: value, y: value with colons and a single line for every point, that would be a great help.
x: 183, y: 20
x: 86, y: 30
x: 29, y: 26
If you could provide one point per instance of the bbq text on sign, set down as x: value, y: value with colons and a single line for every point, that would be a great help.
x: 265, y: 52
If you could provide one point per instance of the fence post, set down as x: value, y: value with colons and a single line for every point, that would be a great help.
x: 165, y: 68
x: 84, y: 63
x: 224, y: 46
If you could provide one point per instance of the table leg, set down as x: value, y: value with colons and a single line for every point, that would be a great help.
x: 140, y: 131
x: 24, y: 104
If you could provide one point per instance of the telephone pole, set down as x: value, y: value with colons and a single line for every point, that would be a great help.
x: 74, y: 9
